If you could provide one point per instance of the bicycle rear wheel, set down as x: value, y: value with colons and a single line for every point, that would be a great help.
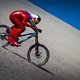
x: 4, y: 35
x: 42, y: 58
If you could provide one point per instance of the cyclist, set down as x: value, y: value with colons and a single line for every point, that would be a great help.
x: 20, y: 19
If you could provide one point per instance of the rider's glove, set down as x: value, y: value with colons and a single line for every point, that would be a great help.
x: 40, y: 30
x: 36, y: 28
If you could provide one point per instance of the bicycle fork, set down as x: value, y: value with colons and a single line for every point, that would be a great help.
x: 36, y: 44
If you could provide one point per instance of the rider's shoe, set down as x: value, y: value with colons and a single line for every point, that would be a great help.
x: 15, y: 44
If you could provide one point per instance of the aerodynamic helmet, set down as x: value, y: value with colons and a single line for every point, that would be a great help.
x: 34, y: 18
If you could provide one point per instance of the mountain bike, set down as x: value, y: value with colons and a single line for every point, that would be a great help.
x: 37, y: 53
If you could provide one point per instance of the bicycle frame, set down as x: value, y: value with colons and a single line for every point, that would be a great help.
x: 29, y: 35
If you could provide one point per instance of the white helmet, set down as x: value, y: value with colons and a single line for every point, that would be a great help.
x: 34, y: 18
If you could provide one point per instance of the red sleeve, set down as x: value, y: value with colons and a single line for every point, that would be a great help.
x: 25, y: 21
x: 27, y: 24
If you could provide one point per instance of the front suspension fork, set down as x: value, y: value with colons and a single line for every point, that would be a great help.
x: 36, y: 43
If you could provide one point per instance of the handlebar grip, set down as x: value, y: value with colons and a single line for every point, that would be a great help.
x: 40, y: 30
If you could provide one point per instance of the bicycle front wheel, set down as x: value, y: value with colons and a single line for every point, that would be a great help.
x: 43, y: 56
x: 3, y: 35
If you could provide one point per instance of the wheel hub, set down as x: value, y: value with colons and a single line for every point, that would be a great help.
x: 38, y: 55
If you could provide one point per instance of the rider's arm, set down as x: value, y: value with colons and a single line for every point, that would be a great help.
x: 27, y: 24
x: 25, y: 21
x: 34, y: 27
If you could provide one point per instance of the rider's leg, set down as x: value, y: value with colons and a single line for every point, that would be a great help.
x: 17, y: 23
x: 15, y: 31
x: 14, y: 34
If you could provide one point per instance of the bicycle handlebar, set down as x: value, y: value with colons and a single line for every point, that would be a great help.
x: 40, y: 30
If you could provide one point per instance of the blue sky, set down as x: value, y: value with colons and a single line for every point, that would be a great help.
x: 66, y: 10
